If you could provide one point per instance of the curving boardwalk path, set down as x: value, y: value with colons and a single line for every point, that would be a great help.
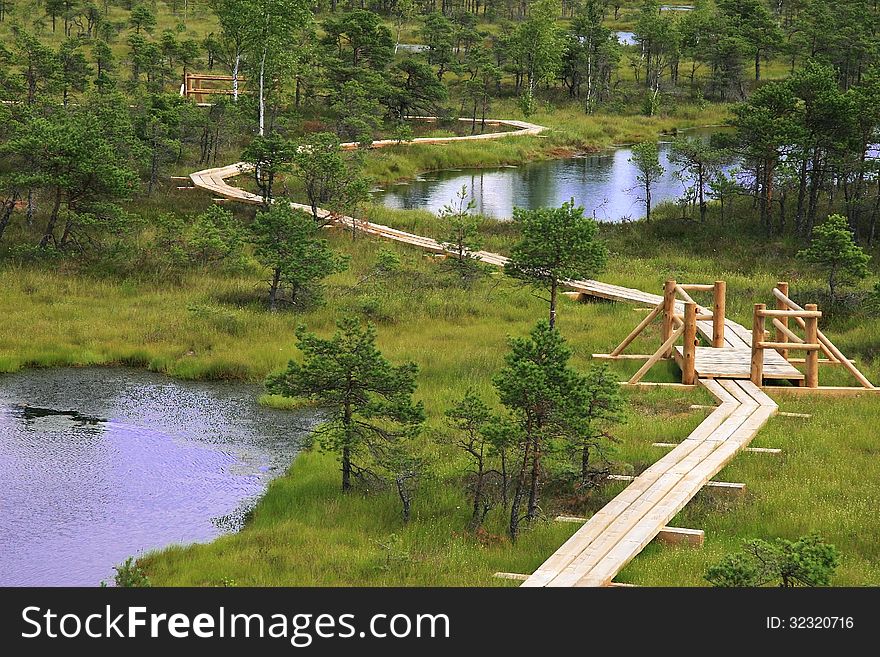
x: 623, y: 527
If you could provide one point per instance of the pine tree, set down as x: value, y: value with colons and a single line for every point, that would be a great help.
x: 834, y: 251
x: 470, y: 418
x: 534, y: 385
x: 367, y: 402
x: 646, y: 159
x: 286, y: 241
x: 555, y: 244
x: 808, y: 561
x: 463, y: 237
x: 549, y: 403
x: 268, y: 156
x: 330, y: 180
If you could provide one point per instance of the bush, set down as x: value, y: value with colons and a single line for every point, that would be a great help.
x: 807, y: 561
x: 130, y: 575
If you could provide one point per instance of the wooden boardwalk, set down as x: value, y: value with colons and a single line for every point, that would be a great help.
x: 624, y: 526
x: 621, y: 529
x: 735, y: 363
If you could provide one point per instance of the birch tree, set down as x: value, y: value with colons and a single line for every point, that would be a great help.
x: 269, y: 36
x: 235, y: 17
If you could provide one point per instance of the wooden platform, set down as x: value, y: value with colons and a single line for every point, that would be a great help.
x: 735, y: 363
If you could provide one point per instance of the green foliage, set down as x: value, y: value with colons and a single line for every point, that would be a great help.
x: 834, y: 251
x: 141, y: 18
x: 358, y: 112
x: 752, y: 24
x: 538, y: 45
x: 173, y: 244
x: 83, y: 159
x: 130, y: 575
x: 268, y: 156
x: 73, y: 68
x: 549, y: 402
x: 699, y: 164
x: 808, y: 561
x: 437, y: 33
x: 470, y: 419
x: 286, y: 241
x: 462, y: 235
x: 367, y: 402
x: 555, y: 244
x: 646, y: 159
x: 357, y: 46
x: 599, y: 407
x: 330, y: 180
x: 215, y: 237
x: 591, y: 55
x: 269, y: 35
x: 414, y: 90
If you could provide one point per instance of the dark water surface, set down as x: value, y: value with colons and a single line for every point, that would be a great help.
x: 99, y: 464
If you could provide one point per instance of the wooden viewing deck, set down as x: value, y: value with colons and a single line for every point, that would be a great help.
x: 623, y: 527
x: 735, y: 363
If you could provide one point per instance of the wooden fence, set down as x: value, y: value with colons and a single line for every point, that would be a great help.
x: 812, y: 343
x: 680, y: 325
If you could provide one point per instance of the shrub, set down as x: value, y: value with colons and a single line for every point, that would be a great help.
x: 807, y: 561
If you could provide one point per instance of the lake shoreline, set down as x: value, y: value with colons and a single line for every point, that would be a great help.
x: 205, y: 454
x: 566, y: 133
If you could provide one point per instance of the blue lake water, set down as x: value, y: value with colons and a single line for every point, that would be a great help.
x: 100, y: 464
x: 604, y: 183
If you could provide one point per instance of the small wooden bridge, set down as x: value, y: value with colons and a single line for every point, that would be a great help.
x: 732, y: 365
x: 733, y: 369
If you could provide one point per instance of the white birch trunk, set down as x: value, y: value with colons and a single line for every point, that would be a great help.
x: 235, y: 76
x: 262, y: 98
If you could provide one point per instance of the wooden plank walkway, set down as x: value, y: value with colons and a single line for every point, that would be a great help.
x: 623, y: 527
x: 735, y: 363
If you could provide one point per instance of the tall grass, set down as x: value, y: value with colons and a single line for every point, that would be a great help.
x: 305, y: 531
x: 570, y: 130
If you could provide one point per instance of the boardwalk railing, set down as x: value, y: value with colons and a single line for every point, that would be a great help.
x: 193, y: 88
x: 813, y: 342
x: 681, y: 315
x: 809, y: 317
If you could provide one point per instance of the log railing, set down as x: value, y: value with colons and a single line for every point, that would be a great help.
x: 814, y: 341
x: 809, y: 317
x: 680, y: 325
x: 192, y: 86
x: 672, y: 291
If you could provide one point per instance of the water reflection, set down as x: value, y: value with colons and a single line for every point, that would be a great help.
x: 603, y: 183
x: 99, y: 464
x: 626, y: 38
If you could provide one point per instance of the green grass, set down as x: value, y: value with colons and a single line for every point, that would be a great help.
x: 570, y: 131
x: 212, y: 325
x: 305, y: 531
x: 825, y: 481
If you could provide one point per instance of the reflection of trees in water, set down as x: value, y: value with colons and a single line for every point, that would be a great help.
x: 602, y: 182
x: 30, y: 413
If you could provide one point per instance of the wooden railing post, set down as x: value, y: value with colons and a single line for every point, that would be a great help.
x: 689, y: 352
x: 782, y: 286
x: 718, y: 311
x: 812, y: 356
x: 668, y: 312
x: 757, y: 368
